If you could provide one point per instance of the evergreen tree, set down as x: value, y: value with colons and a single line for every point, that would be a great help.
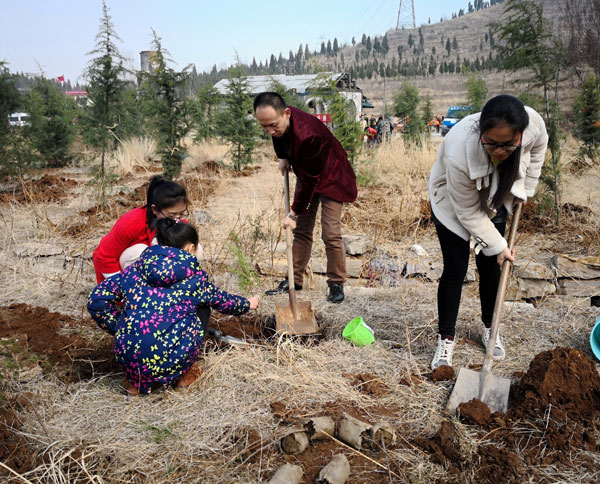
x: 363, y: 40
x: 411, y: 40
x: 376, y: 46
x: 448, y: 45
x: 15, y: 151
x: 385, y: 45
x: 587, y: 115
x: 335, y: 47
x: 323, y: 48
x: 353, y: 41
x: 477, y: 91
x: 454, y: 44
x: 51, y: 114
x: 167, y: 109
x: 101, y: 121
x: 526, y: 41
x: 236, y: 123
x: 427, y: 111
x: 329, y: 50
x: 203, y: 111
x: 406, y: 103
x: 368, y: 45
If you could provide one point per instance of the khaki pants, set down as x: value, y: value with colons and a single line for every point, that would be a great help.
x: 331, y: 233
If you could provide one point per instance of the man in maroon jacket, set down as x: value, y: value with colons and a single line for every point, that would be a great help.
x: 323, y: 175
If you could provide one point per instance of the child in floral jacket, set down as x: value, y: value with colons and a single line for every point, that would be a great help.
x: 158, y: 309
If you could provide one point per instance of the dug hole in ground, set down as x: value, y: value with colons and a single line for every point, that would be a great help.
x: 64, y: 417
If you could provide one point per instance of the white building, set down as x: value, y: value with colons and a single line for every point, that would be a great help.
x: 304, y: 86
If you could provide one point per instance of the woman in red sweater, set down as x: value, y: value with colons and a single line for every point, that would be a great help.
x: 134, y: 231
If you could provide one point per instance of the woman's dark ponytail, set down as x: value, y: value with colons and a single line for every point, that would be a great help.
x: 163, y: 194
x: 175, y: 234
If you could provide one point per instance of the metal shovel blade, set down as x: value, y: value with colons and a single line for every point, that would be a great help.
x: 303, y: 323
x: 491, y: 390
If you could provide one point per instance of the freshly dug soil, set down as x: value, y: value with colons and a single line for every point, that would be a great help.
x: 564, y: 378
x: 58, y: 338
x: 443, y: 373
x: 551, y: 418
x: 49, y: 188
x: 474, y: 412
x: 369, y: 384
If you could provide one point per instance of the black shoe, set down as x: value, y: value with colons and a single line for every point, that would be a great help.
x: 283, y: 288
x: 336, y: 293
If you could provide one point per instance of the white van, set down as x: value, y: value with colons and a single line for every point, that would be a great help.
x: 18, y: 119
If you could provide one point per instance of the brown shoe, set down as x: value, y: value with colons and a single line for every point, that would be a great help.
x: 130, y: 388
x: 189, y: 377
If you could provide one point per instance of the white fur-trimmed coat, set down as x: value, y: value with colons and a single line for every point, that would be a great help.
x: 463, y: 180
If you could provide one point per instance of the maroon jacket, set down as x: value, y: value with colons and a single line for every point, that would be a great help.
x: 318, y: 160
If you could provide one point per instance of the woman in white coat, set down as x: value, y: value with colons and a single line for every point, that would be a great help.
x: 486, y: 164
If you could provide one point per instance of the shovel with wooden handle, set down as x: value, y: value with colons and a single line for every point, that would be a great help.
x: 298, y: 317
x: 490, y: 389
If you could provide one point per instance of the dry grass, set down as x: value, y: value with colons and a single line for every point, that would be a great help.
x: 391, y: 204
x: 208, y: 150
x: 132, y: 153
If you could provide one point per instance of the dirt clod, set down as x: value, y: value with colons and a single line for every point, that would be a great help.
x: 474, y: 412
x: 443, y: 373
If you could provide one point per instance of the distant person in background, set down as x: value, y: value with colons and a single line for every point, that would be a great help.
x: 133, y: 231
x: 324, y: 177
x: 158, y: 309
x: 379, y: 128
x: 487, y: 163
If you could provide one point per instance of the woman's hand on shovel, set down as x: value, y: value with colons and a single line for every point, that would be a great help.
x: 506, y: 254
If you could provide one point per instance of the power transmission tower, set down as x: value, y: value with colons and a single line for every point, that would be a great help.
x: 406, y: 14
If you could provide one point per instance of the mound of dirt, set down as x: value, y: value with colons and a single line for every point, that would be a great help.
x: 561, y: 391
x: 563, y: 378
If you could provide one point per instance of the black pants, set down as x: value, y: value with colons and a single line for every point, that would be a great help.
x: 455, y: 252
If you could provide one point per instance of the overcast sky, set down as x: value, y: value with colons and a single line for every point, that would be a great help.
x: 55, y: 35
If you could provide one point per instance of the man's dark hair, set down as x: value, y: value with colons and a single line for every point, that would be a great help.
x: 272, y: 99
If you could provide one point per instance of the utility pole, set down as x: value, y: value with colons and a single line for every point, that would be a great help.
x: 406, y: 18
x: 383, y: 96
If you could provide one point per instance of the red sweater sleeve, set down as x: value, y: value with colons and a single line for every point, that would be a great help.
x: 130, y: 229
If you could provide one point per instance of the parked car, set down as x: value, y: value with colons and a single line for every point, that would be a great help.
x: 18, y: 119
x: 455, y: 114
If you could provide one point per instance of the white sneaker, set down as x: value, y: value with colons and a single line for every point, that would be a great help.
x: 443, y: 353
x: 499, y: 352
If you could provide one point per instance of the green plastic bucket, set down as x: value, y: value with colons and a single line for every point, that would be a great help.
x: 357, y: 332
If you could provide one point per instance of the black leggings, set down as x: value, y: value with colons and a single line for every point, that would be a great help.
x: 455, y: 252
